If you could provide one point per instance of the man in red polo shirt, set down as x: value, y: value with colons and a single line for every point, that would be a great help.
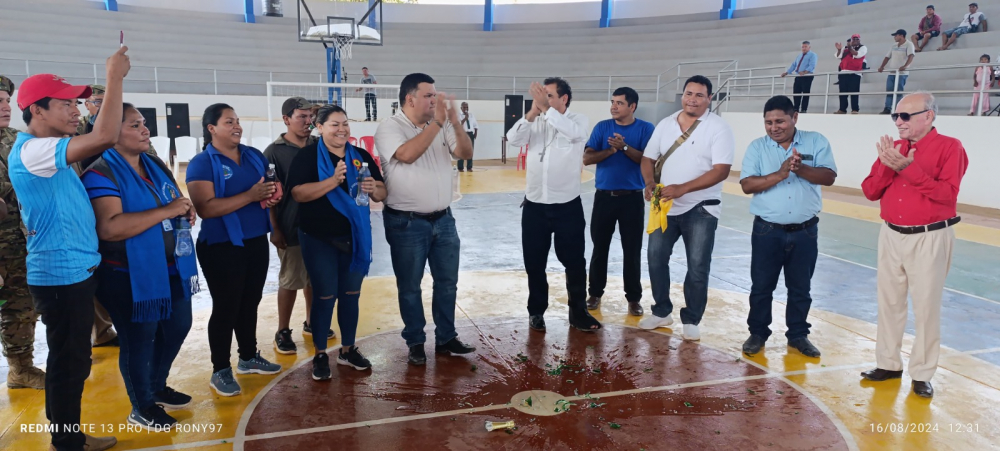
x: 918, y: 193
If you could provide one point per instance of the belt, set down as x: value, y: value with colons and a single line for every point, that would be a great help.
x: 792, y: 227
x: 413, y: 215
x: 620, y: 192
x: 706, y: 203
x: 910, y: 230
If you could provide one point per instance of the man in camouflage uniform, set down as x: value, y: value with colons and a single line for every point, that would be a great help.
x: 93, y: 105
x: 17, y: 311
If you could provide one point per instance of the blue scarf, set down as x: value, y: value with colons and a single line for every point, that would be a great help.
x: 147, y: 264
x: 359, y: 217
x: 231, y: 222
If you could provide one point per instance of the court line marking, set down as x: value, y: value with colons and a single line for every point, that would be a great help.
x: 981, y: 351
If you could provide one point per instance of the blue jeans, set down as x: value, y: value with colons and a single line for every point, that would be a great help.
x: 332, y: 280
x: 147, y: 349
x: 890, y: 85
x: 775, y: 249
x: 413, y: 243
x: 697, y: 228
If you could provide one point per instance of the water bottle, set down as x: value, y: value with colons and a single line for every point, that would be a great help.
x: 362, y: 198
x: 184, y: 245
x: 270, y: 175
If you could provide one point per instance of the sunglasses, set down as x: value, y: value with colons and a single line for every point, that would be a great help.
x: 905, y: 116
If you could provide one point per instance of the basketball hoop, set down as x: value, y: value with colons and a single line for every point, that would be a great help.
x: 343, y: 42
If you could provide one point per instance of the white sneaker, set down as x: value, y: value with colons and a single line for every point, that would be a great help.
x: 652, y: 322
x: 691, y: 332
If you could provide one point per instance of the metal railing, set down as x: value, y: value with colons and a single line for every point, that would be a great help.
x: 773, y: 84
x: 678, y: 66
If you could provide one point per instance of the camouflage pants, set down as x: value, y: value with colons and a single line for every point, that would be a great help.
x: 17, y: 314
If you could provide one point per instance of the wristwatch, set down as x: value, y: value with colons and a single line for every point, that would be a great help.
x: 625, y: 148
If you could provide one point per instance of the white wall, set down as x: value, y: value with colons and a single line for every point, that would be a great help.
x: 208, y: 6
x: 631, y: 9
x: 853, y: 140
x: 747, y: 4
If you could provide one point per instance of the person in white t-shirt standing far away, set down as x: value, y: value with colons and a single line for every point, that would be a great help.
x: 471, y: 128
x: 371, y: 104
x: 698, y: 149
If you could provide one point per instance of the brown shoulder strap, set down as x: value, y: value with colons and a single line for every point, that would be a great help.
x: 658, y: 168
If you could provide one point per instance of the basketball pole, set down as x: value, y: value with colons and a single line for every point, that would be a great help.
x: 334, y: 74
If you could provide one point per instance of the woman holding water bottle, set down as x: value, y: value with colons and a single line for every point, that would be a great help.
x: 228, y: 187
x: 333, y: 182
x: 148, y: 270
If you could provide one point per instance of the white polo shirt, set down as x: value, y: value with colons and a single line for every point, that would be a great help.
x: 711, y: 143
x: 555, y: 154
x: 423, y: 186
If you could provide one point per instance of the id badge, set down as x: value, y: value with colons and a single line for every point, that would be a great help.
x: 807, y: 157
x: 168, y: 226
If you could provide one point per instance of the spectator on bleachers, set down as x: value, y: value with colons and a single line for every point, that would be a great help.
x: 297, y: 113
x: 982, y: 77
x: 929, y: 27
x: 143, y: 281
x: 852, y: 62
x: 899, y: 58
x: 973, y: 22
x: 229, y: 191
x: 62, y: 237
x: 803, y: 65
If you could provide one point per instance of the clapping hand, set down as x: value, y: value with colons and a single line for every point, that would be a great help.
x: 891, y: 156
x: 539, y: 96
x: 617, y: 142
x: 340, y: 174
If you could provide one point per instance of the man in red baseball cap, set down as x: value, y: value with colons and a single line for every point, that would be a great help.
x: 62, y: 232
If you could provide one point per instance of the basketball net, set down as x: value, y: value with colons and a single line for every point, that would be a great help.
x: 343, y: 43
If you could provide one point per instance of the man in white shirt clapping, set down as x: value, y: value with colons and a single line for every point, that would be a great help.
x: 552, y: 206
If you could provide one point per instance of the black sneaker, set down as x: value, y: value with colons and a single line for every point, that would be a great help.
x: 454, y: 346
x: 283, y: 343
x: 169, y: 398
x: 353, y: 358
x: 417, y: 355
x: 308, y: 332
x: 321, y: 367
x: 152, y: 419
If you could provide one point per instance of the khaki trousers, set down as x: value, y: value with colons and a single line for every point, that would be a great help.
x: 102, y: 331
x: 917, y: 264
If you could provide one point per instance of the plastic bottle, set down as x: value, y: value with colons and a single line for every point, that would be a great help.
x: 362, y: 198
x: 184, y: 245
x: 270, y: 175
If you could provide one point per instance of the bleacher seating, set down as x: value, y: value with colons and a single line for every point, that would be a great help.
x: 247, y: 55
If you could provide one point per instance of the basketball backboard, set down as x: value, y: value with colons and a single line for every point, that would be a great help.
x: 333, y: 22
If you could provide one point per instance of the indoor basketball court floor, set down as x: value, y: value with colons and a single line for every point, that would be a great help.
x: 619, y: 389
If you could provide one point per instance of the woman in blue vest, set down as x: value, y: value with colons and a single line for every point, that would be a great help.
x: 335, y: 232
x: 147, y: 273
x: 227, y: 186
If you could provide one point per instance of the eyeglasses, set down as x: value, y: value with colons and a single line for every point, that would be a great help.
x: 905, y: 116
x: 97, y: 102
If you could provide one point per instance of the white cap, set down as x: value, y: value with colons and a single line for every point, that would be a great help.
x: 364, y: 165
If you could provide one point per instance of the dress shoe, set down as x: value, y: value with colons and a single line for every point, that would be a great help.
x: 114, y: 342
x: 753, y: 345
x: 923, y: 389
x: 454, y: 346
x: 593, y: 303
x: 886, y: 111
x: 417, y: 355
x: 804, y: 346
x: 635, y: 309
x: 879, y: 375
x: 99, y: 443
x: 840, y: 112
x: 537, y: 322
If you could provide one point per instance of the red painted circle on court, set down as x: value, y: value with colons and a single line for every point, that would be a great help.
x: 624, y: 388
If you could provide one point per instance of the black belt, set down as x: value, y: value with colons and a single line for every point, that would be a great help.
x: 791, y: 227
x: 413, y: 215
x: 910, y: 230
x: 620, y: 192
x: 706, y: 203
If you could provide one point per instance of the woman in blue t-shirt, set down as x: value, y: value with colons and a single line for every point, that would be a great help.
x: 146, y: 277
x: 335, y: 232
x: 227, y: 185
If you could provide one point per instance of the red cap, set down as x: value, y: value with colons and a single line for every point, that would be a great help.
x: 856, y: 36
x: 38, y: 87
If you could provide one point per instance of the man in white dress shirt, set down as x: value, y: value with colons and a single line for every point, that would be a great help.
x: 702, y: 148
x: 552, y: 206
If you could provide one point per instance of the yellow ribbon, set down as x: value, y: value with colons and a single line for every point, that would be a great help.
x: 658, y: 210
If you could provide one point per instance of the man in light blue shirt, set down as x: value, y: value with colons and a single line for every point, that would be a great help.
x: 802, y: 67
x: 784, y: 171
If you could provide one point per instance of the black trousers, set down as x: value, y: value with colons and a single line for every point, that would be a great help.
x: 849, y: 83
x: 628, y: 212
x: 68, y: 314
x: 539, y: 223
x: 803, y: 85
x: 371, y: 107
x: 235, y: 277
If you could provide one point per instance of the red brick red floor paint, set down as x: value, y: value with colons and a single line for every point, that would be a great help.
x: 619, y: 389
